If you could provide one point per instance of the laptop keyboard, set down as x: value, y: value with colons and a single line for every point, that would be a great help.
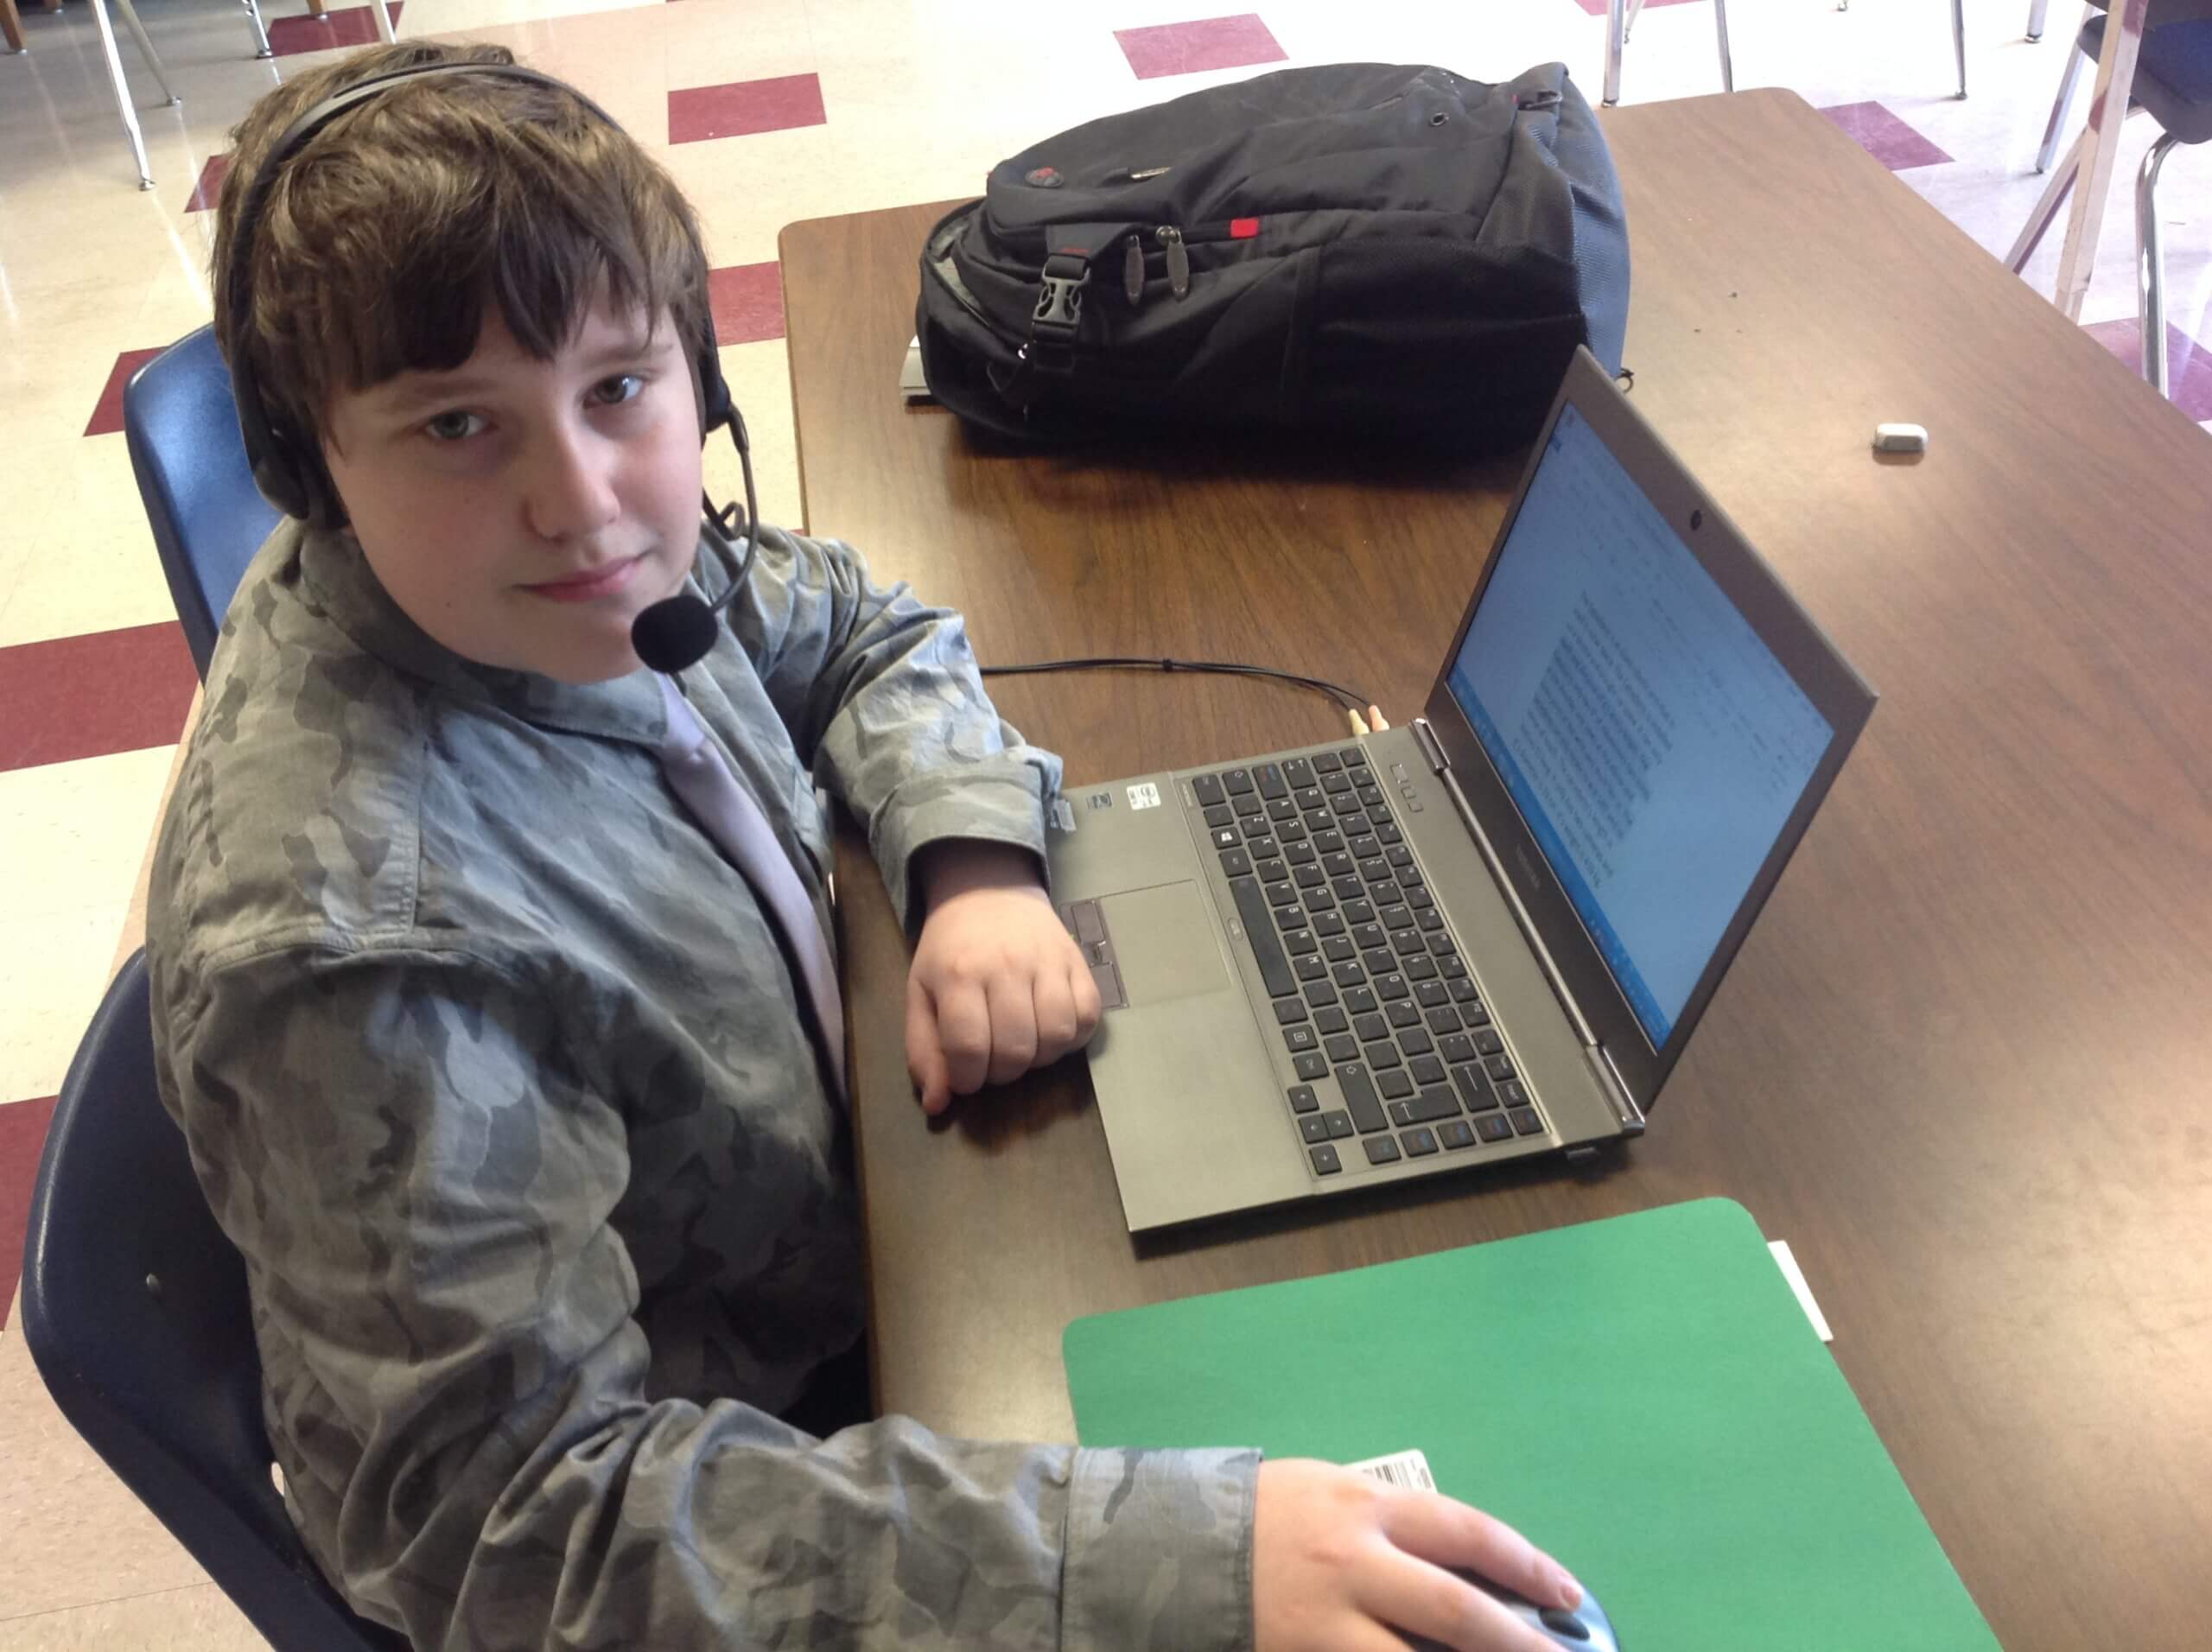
x: 1388, y: 1037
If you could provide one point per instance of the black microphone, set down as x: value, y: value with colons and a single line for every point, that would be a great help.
x: 676, y: 633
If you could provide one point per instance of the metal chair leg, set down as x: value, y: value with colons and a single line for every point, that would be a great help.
x: 1959, y: 40
x: 2054, y: 197
x: 146, y: 50
x: 1616, y: 24
x: 2061, y: 106
x: 2036, y: 14
x: 122, y: 91
x: 2150, y: 265
x: 1628, y: 23
x: 1721, y: 22
x: 260, y: 35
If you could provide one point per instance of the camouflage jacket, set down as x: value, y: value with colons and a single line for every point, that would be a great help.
x: 493, y: 1071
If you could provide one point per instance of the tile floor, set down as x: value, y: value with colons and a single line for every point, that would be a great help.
x: 766, y: 111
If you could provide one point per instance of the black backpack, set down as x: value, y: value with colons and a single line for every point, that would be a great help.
x: 1362, y: 246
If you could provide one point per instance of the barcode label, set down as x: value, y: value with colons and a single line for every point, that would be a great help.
x: 1408, y: 1471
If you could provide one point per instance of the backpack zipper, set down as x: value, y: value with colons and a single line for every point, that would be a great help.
x: 1179, y: 261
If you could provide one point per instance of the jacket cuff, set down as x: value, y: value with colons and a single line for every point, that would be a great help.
x: 1159, y: 1550
x: 996, y: 800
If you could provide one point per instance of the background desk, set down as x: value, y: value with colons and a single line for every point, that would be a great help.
x: 1961, y: 1063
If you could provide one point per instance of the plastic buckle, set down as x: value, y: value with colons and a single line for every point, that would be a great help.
x: 1060, y: 305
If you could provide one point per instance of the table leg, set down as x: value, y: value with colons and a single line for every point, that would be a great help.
x: 11, y: 25
x: 1959, y: 40
x: 1727, y: 66
x: 2036, y: 14
x: 319, y: 9
x: 1615, y: 21
x: 2054, y: 197
x: 2107, y: 107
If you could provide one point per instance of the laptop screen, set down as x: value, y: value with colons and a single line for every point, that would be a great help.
x: 1654, y: 745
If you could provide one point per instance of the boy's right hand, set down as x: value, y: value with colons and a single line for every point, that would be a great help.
x: 1341, y: 1562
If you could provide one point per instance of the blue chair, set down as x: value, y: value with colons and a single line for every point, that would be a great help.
x: 135, y: 1310
x: 207, y: 517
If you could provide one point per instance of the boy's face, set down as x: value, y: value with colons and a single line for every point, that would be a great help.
x: 524, y: 512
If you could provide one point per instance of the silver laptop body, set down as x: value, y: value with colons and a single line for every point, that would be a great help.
x: 1489, y: 934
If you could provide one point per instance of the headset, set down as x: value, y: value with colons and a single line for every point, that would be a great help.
x: 670, y: 636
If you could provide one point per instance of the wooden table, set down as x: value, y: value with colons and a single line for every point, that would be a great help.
x: 1959, y: 1065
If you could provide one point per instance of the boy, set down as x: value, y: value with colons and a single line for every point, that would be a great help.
x: 511, y: 1076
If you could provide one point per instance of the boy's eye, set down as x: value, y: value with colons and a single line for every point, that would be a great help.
x: 452, y: 427
x: 623, y: 387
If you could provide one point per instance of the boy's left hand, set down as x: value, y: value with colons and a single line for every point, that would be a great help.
x: 997, y: 986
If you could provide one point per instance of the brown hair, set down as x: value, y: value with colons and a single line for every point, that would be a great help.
x: 387, y: 235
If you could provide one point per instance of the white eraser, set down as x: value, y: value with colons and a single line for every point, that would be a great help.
x: 1900, y: 438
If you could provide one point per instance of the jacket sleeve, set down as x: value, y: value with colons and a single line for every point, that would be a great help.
x: 883, y: 699
x: 408, y: 1146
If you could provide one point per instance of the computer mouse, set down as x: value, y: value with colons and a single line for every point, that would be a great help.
x: 1586, y: 1628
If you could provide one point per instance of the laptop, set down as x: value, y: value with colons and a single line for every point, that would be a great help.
x: 1487, y: 935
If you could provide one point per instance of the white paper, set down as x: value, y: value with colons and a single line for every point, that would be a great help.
x: 1796, y: 1275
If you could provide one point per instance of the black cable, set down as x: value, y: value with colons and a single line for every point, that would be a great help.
x: 1350, y: 701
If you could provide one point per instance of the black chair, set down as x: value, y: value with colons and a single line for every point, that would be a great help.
x: 207, y: 517
x: 134, y: 1308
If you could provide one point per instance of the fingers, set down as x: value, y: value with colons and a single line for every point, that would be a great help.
x: 925, y: 1062
x: 1013, y: 1004
x: 963, y: 1032
x: 1451, y: 1533
x: 1443, y: 1609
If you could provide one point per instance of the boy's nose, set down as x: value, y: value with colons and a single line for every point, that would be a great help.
x: 570, y: 492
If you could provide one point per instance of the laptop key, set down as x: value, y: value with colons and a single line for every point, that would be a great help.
x: 1339, y: 1123
x: 1239, y: 782
x: 1500, y: 1068
x: 1326, y: 763
x: 1359, y: 1000
x: 1367, y: 935
x: 1302, y: 942
x: 1311, y: 967
x: 1308, y: 877
x: 1296, y: 1039
x: 1419, y: 898
x: 1359, y: 1098
x: 1494, y: 1127
x: 1282, y: 810
x: 1397, y: 917
x: 1348, y: 975
x: 1474, y: 1089
x: 1302, y: 1099
x: 1207, y: 789
x: 1409, y: 944
x: 1328, y: 924
x: 1260, y: 935
x: 1462, y: 989
x: 1221, y: 815
x: 1418, y: 1144
x: 1313, y: 1064
x: 1236, y: 863
x: 1403, y: 1013
x: 1454, y: 966
x: 1320, y: 900
x: 1512, y: 1094
x: 1348, y: 888
x: 1430, y: 994
x: 1355, y: 757
x: 1305, y: 795
x: 1338, y: 949
x: 1431, y: 1104
x: 1427, y: 1069
x: 1380, y: 962
x: 1457, y: 1047
x: 1336, y: 784
x: 1359, y: 911
x: 1314, y: 1127
x: 1299, y: 771
x: 1414, y: 1040
x: 1291, y: 918
x: 1319, y: 993
x: 1299, y: 853
x: 1372, y: 1027
x: 1380, y: 1150
x: 1329, y: 839
x: 1455, y: 1134
x: 1330, y: 1019
x: 1265, y: 867
x: 1389, y: 833
x: 1525, y: 1121
x: 1422, y: 968
x: 1394, y: 1086
x: 1341, y: 1047
x: 1488, y: 1043
x: 1474, y: 1015
x: 1269, y: 775
x: 1383, y: 1055
x: 1391, y: 986
x: 1290, y: 1009
x: 1430, y: 919
x: 1325, y: 1162
x: 1282, y: 894
x: 1443, y: 1020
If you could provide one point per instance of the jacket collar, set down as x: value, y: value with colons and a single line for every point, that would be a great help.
x: 338, y: 580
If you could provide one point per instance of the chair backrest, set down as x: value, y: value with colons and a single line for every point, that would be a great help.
x: 207, y: 517
x: 135, y: 1310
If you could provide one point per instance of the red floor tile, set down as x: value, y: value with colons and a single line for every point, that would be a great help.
x: 1210, y: 43
x: 696, y: 113
x: 107, y: 412
x: 92, y: 696
x: 748, y: 303
x: 210, y: 189
x: 1884, y: 135
x: 23, y: 1135
x: 351, y: 26
x: 2189, y: 364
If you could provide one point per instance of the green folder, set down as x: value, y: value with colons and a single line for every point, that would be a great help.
x: 1643, y: 1396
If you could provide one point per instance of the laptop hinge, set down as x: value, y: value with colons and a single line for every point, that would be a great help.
x: 1425, y: 737
x: 1617, y: 1095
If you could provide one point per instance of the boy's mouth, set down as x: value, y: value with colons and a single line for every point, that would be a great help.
x: 592, y: 583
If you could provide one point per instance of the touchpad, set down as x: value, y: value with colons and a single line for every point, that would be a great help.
x: 1165, y: 944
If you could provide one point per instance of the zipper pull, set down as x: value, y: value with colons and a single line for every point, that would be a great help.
x: 1133, y: 271
x: 1179, y: 261
x: 1539, y: 100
